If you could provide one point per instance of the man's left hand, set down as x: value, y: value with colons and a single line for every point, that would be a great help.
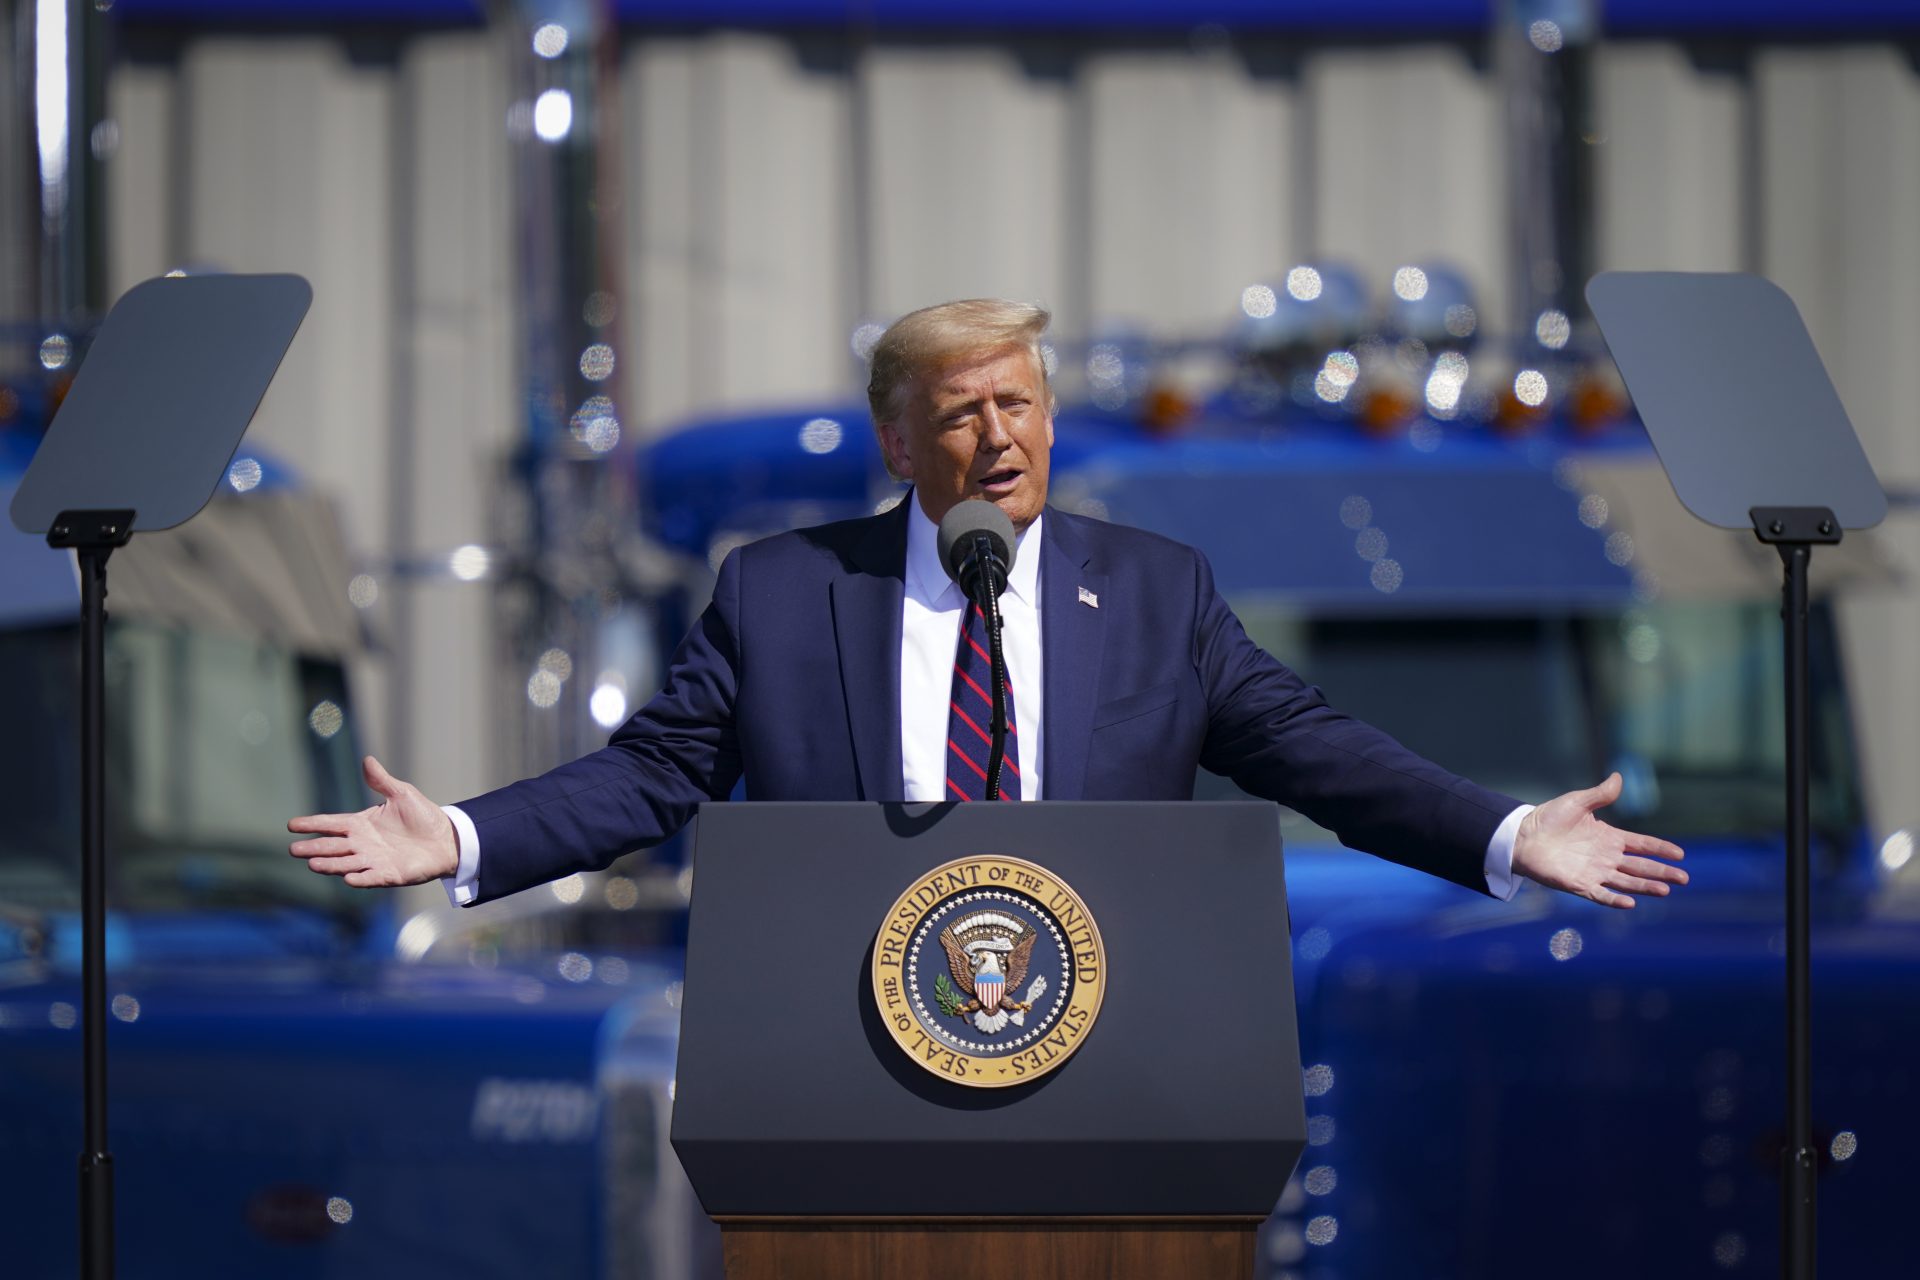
x: 1563, y: 846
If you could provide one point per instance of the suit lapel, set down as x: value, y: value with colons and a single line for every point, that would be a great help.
x: 1073, y: 637
x: 866, y: 625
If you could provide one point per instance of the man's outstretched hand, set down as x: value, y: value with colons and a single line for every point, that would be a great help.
x: 1563, y: 846
x: 405, y: 840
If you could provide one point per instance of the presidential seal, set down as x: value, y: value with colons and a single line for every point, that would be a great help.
x: 989, y: 971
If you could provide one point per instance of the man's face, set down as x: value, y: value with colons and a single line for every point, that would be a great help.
x: 978, y: 427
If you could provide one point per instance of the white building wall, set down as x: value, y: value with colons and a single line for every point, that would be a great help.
x: 1670, y: 159
x: 1408, y: 164
x: 279, y: 154
x: 1840, y: 218
x: 1182, y: 218
x: 772, y: 201
x: 455, y: 321
x: 966, y: 196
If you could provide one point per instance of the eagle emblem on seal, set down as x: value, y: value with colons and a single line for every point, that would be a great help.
x: 988, y: 954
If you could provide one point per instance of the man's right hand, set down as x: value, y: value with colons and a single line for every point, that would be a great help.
x: 406, y: 840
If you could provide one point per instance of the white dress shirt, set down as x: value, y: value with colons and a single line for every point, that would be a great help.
x: 930, y: 622
x: 931, y: 612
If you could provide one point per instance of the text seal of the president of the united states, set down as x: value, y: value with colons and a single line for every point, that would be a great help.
x: 989, y: 971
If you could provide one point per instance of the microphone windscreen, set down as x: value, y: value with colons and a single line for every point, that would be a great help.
x: 967, y: 519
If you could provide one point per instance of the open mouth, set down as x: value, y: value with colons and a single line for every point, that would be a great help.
x: 999, y: 481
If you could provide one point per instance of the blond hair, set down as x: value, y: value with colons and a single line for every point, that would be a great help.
x: 922, y: 341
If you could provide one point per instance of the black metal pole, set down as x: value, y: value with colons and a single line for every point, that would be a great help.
x: 1797, y: 1245
x: 1794, y: 532
x: 96, y: 1165
x: 93, y: 535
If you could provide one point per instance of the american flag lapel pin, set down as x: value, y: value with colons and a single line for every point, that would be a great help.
x: 1089, y: 599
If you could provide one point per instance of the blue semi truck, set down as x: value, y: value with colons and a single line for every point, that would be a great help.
x: 1518, y: 595
x: 304, y: 1080
x: 307, y: 1084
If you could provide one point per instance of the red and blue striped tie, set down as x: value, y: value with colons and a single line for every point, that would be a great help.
x: 970, y: 719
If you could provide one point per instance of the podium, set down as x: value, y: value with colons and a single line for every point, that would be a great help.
x: 844, y: 1108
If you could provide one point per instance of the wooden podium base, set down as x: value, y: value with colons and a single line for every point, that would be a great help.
x: 969, y: 1248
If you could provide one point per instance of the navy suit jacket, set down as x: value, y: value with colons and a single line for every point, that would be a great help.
x: 791, y: 678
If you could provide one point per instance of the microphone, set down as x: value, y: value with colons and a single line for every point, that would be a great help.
x: 977, y: 548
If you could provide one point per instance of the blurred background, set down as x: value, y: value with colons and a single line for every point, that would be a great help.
x: 594, y: 281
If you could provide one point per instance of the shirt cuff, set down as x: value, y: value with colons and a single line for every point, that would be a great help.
x: 464, y: 886
x: 1502, y: 881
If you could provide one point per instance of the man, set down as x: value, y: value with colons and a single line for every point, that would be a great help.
x: 826, y: 669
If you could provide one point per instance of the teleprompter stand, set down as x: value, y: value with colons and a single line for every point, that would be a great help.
x: 1753, y: 436
x: 141, y: 442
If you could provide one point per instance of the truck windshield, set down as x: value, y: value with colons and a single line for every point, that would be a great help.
x: 213, y: 742
x: 1685, y: 700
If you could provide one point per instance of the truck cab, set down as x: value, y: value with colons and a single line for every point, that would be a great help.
x: 304, y: 1079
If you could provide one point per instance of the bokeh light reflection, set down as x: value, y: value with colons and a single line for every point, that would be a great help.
x: 1530, y: 388
x: 244, y: 474
x: 326, y: 718
x: 600, y: 309
x: 1642, y: 642
x: 543, y: 689
x: 595, y: 424
x: 596, y: 362
x: 1553, y: 329
x: 553, y: 115
x: 821, y: 435
x: 469, y: 563
x: 864, y: 338
x: 607, y: 704
x: 1730, y: 1249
